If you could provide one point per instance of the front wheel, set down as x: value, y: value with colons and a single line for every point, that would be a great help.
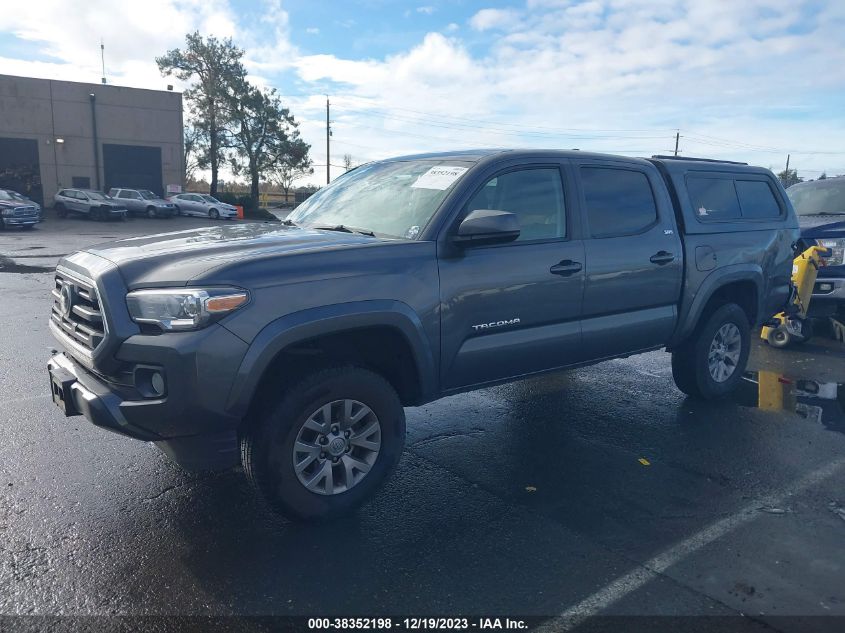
x: 151, y: 212
x: 711, y: 362
x: 327, y: 443
x: 214, y: 214
x: 61, y: 211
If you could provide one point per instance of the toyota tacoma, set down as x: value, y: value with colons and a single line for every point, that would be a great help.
x: 293, y: 348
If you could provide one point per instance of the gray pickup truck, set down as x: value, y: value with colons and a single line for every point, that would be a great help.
x: 293, y: 348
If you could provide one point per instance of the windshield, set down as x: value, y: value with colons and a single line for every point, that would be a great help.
x: 824, y: 197
x: 147, y: 195
x: 4, y: 195
x: 395, y: 198
x: 209, y: 199
x: 96, y: 195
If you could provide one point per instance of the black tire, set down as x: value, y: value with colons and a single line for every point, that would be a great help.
x: 267, y: 443
x: 96, y: 214
x: 214, y: 214
x: 61, y: 211
x: 151, y: 212
x: 690, y: 365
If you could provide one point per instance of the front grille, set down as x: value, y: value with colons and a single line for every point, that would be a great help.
x: 22, y: 212
x: 77, y: 312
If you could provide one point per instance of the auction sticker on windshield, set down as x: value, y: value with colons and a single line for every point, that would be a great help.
x: 440, y: 177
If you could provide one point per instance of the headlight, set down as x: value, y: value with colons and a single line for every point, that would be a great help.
x: 837, y: 257
x: 179, y: 309
x: 8, y: 213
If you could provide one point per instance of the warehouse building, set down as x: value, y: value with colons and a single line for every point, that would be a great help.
x: 56, y: 134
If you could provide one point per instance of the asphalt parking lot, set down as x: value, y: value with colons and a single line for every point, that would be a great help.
x: 597, y: 491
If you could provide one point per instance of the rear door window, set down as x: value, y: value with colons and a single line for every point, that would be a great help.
x: 757, y: 199
x: 619, y: 201
x: 713, y: 199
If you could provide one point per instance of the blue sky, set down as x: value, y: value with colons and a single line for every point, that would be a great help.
x: 751, y: 80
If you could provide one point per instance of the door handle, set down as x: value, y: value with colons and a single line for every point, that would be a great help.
x: 661, y: 258
x: 565, y: 268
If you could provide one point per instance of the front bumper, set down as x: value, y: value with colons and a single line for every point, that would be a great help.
x: 828, y: 297
x: 27, y: 220
x: 188, y: 421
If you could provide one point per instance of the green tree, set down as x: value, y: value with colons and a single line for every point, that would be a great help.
x: 217, y: 71
x: 823, y: 176
x: 264, y: 135
x: 193, y: 152
x: 288, y: 169
x: 790, y: 177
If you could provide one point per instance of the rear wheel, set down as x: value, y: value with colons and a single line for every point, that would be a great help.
x: 214, y: 214
x: 326, y: 444
x: 151, y: 212
x: 711, y: 362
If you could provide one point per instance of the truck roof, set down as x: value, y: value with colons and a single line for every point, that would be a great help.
x: 673, y: 163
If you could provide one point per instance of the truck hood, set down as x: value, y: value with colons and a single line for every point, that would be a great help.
x: 14, y: 204
x: 180, y: 256
x: 822, y: 226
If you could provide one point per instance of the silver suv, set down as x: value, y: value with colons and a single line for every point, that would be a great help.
x: 202, y: 205
x: 94, y: 204
x: 143, y: 201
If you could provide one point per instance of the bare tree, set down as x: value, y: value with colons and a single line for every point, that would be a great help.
x: 347, y: 162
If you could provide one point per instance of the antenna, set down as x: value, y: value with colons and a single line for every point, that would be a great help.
x: 103, y: 59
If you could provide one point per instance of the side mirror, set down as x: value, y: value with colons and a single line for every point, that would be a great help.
x: 487, y: 226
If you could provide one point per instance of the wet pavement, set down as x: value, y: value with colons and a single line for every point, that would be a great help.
x: 601, y: 490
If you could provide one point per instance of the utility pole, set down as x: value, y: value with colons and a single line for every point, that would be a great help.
x: 787, y: 166
x: 103, y: 59
x: 328, y: 142
x: 677, y: 140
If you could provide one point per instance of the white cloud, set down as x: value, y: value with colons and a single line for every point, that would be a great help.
x: 487, y: 19
x: 427, y: 10
x: 312, y: 30
x: 758, y: 73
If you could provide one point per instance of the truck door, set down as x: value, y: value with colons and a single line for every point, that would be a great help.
x: 634, y: 259
x: 512, y: 309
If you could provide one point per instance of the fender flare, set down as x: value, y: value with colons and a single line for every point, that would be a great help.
x: 331, y: 319
x: 712, y: 283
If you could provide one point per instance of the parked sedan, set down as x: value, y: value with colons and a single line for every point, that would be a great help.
x: 143, y: 201
x: 202, y: 205
x: 15, y: 210
x: 93, y: 204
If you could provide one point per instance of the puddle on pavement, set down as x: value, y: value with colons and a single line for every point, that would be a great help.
x: 820, y: 402
x: 8, y: 265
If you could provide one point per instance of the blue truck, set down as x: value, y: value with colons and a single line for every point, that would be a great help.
x: 820, y: 206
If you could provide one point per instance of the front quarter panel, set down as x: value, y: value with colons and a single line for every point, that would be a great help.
x: 294, y: 298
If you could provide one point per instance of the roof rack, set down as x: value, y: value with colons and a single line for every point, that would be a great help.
x: 698, y: 160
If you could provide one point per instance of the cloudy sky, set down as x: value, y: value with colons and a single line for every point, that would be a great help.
x: 750, y: 80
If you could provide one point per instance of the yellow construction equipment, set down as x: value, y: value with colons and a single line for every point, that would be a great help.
x: 792, y: 325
